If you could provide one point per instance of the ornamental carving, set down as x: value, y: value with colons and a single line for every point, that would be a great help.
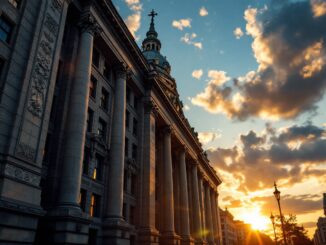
x: 151, y: 107
x: 51, y: 24
x: 22, y: 175
x: 26, y: 151
x: 88, y: 24
x: 56, y: 5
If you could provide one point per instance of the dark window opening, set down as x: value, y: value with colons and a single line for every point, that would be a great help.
x: 6, y: 28
x: 92, y: 87
x: 101, y: 129
x: 94, y: 210
x: 128, y: 95
x: 82, y: 199
x: 96, y: 58
x: 132, y: 215
x: 127, y: 119
x: 46, y: 151
x: 89, y: 122
x: 87, y: 157
x: 134, y: 126
x: 133, y: 184
x: 105, y: 99
x: 2, y: 65
x: 134, y: 151
x: 126, y: 147
x: 106, y: 70
x: 124, y: 211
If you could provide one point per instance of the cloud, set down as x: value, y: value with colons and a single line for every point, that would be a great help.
x: 189, y: 39
x: 262, y: 158
x: 197, y: 74
x: 238, y: 33
x: 182, y: 23
x: 133, y: 21
x: 203, y: 11
x: 289, y: 46
x: 318, y: 8
x: 186, y: 107
x: 207, y: 137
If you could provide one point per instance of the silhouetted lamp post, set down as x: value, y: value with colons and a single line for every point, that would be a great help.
x: 277, y: 195
x: 273, y: 222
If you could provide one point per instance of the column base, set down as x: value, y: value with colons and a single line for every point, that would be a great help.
x: 148, y: 236
x: 116, y: 231
x: 66, y: 225
x: 187, y: 240
x: 18, y: 222
x: 170, y: 238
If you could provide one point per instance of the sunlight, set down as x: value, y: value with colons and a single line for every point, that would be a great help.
x: 256, y: 219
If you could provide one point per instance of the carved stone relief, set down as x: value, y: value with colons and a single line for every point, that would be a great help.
x: 22, y: 175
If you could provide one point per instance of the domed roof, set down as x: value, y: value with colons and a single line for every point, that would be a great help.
x: 152, y: 46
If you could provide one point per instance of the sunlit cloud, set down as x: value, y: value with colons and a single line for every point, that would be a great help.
x: 203, y: 11
x: 182, y: 23
x: 207, y: 137
x: 133, y: 21
x: 238, y: 33
x: 186, y: 107
x: 197, y: 74
x: 318, y: 7
x: 189, y: 39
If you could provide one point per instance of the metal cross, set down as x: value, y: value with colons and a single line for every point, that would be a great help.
x: 152, y: 14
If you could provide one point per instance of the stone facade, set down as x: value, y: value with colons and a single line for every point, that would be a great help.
x: 94, y: 145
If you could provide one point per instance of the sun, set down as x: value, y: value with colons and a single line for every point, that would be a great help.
x: 256, y: 219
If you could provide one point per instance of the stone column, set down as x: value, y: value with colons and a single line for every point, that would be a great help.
x: 214, y: 215
x: 77, y: 114
x: 209, y: 222
x: 148, y: 233
x: 117, y: 154
x: 196, y: 205
x: 168, y: 232
x: 114, y: 223
x: 218, y: 218
x: 184, y: 205
x: 202, y: 206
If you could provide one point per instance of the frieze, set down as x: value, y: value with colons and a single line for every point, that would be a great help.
x: 56, y: 5
x: 22, y: 175
x: 26, y: 151
x: 51, y: 24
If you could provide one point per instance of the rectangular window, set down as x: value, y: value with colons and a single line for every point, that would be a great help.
x: 133, y: 184
x: 15, y: 3
x: 134, y: 151
x: 127, y: 118
x: 126, y: 147
x: 132, y: 215
x: 2, y: 64
x: 134, y: 126
x: 128, y: 95
x: 89, y: 122
x: 97, y: 171
x: 82, y: 199
x: 101, y: 128
x: 105, y: 99
x: 96, y: 58
x: 124, y: 211
x: 106, y: 70
x: 135, y: 102
x: 87, y: 155
x: 5, y: 29
x: 92, y: 87
x: 125, y: 181
x: 95, y: 205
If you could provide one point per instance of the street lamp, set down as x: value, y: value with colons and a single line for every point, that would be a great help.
x: 273, y: 222
x: 277, y: 195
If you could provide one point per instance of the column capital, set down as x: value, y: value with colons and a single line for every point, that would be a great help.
x: 168, y: 129
x: 150, y: 107
x: 88, y: 23
x: 122, y: 70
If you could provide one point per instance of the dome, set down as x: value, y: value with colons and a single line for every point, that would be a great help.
x: 156, y: 58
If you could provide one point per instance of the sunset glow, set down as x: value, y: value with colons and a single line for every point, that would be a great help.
x: 255, y: 219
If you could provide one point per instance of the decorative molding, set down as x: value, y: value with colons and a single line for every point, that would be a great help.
x: 26, y: 151
x: 22, y: 175
x: 151, y: 107
x: 56, y: 5
x: 122, y: 70
x: 168, y: 129
x: 89, y: 24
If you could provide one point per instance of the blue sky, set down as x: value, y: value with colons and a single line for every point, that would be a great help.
x: 215, y: 48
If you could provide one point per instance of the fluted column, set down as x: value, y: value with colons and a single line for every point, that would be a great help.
x: 218, y: 220
x: 210, y: 237
x: 214, y: 215
x: 77, y: 114
x: 115, y: 175
x: 202, y: 206
x: 184, y: 205
x: 168, y: 183
x: 196, y: 205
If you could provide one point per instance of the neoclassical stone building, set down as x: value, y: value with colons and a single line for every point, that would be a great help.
x: 94, y: 145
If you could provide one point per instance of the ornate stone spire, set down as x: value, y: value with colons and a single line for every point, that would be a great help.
x: 151, y: 42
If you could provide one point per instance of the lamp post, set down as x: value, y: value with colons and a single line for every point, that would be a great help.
x: 277, y: 195
x: 273, y: 222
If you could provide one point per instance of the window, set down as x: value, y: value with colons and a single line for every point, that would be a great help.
x: 92, y: 87
x: 135, y: 102
x: 106, y: 70
x: 89, y: 122
x: 87, y: 156
x: 97, y: 171
x: 95, y: 206
x: 14, y: 3
x: 127, y: 119
x: 124, y: 211
x: 125, y: 181
x: 134, y: 126
x: 133, y: 184
x: 5, y: 29
x: 101, y: 128
x: 82, y: 199
x: 2, y: 64
x: 134, y: 151
x: 126, y: 147
x: 128, y: 95
x: 132, y: 215
x: 46, y: 150
x: 96, y: 58
x: 105, y: 99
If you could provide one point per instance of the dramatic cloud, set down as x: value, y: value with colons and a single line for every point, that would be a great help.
x: 238, y: 33
x: 133, y: 20
x: 203, y: 11
x: 189, y: 39
x: 182, y: 23
x: 197, y: 74
x: 207, y: 137
x: 289, y: 46
x: 290, y: 155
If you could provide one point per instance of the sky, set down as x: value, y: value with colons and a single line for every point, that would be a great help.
x: 252, y: 78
